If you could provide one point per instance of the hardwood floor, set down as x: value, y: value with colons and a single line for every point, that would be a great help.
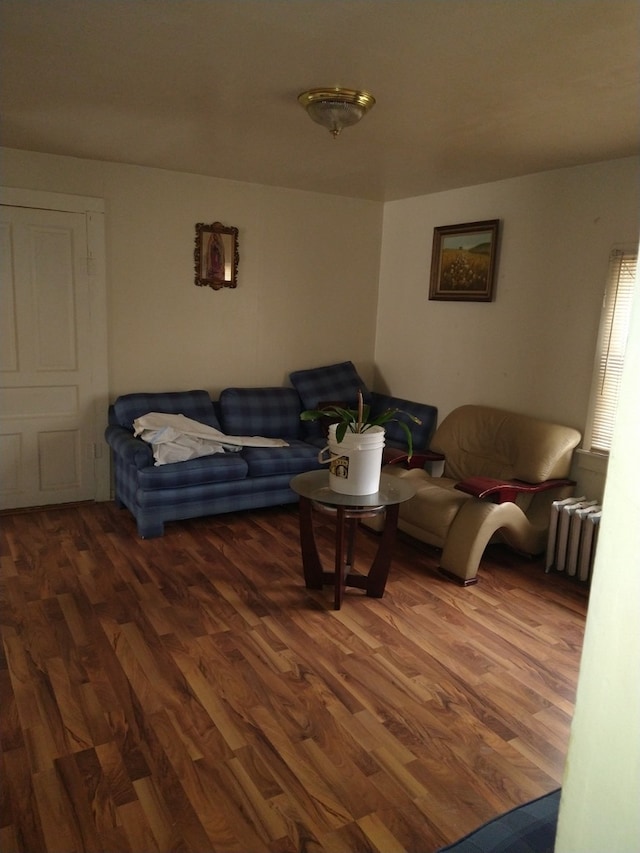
x: 188, y: 693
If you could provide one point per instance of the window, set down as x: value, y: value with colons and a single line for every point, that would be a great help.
x: 612, y: 341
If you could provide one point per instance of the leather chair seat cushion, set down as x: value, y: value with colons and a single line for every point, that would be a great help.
x: 434, y: 505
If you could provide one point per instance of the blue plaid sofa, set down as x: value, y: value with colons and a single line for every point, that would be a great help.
x: 255, y: 476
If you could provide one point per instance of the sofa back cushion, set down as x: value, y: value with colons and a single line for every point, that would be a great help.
x: 334, y: 382
x: 196, y: 405
x: 394, y: 434
x: 479, y: 441
x: 268, y: 412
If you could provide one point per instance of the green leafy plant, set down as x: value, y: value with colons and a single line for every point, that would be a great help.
x: 360, y: 420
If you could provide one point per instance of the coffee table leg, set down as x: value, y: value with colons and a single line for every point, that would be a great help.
x: 315, y: 576
x: 379, y: 572
x: 340, y: 566
x: 350, y: 558
x: 311, y: 564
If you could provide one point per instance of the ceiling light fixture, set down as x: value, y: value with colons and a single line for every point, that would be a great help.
x: 336, y: 108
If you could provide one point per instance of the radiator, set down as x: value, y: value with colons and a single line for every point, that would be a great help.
x: 573, y: 536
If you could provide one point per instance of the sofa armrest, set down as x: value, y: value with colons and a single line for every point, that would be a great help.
x: 421, y: 432
x: 503, y: 491
x: 131, y: 449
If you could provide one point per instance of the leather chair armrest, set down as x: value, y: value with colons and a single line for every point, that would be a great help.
x: 503, y: 491
x: 395, y: 456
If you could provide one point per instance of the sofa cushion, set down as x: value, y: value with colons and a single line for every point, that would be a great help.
x: 394, y: 434
x: 333, y: 382
x: 191, y: 404
x: 218, y: 468
x: 268, y: 412
x: 269, y: 461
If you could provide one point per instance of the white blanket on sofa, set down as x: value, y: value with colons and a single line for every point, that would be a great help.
x: 176, y: 438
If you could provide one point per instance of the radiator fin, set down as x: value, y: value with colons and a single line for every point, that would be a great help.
x: 573, y: 536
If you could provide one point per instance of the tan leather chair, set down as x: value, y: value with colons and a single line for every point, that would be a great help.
x: 501, y: 473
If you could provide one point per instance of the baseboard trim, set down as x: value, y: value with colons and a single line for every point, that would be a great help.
x: 455, y: 579
x: 21, y: 510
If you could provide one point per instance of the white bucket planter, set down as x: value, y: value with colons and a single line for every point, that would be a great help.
x: 355, y: 462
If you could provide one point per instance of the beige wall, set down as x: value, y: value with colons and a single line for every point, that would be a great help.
x: 601, y: 787
x: 532, y: 349
x: 307, y: 275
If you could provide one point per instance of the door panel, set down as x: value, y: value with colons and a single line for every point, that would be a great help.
x: 46, y: 411
x: 8, y: 343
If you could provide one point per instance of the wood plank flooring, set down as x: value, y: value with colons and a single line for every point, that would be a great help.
x: 188, y: 693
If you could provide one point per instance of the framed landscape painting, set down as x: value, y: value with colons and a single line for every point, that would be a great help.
x: 463, y: 263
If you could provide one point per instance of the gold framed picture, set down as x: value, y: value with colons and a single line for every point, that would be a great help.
x: 216, y: 255
x: 463, y: 261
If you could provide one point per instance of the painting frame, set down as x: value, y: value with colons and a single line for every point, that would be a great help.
x: 463, y: 261
x: 216, y: 255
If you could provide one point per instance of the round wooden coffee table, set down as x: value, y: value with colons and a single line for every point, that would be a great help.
x: 315, y: 494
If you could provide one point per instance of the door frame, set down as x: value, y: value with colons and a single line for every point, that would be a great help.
x: 93, y: 210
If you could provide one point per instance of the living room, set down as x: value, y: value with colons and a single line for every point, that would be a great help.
x: 326, y: 277
x: 536, y: 340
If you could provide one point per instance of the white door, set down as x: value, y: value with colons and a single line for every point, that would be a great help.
x: 48, y: 403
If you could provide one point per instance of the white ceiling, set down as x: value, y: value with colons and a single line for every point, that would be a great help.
x: 467, y: 91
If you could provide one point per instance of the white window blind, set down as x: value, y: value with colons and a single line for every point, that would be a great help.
x: 612, y: 342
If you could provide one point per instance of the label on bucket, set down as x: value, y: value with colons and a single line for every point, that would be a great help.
x: 355, y: 463
x: 339, y: 467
